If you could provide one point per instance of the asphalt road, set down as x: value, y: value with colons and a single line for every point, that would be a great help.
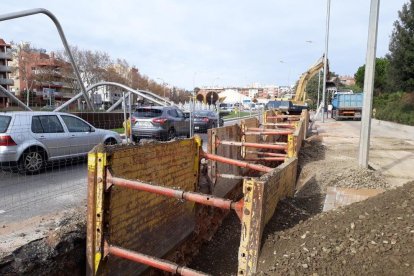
x: 59, y: 187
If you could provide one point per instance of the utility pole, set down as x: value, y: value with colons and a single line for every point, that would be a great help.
x: 368, y: 84
x: 325, y: 60
x: 319, y: 88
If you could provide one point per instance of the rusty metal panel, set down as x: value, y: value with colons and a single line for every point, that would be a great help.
x: 278, y: 184
x: 227, y: 133
x: 146, y: 222
x: 245, y: 124
x: 252, y: 226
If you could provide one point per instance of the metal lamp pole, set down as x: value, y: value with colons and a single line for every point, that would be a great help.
x: 368, y: 84
x: 325, y: 62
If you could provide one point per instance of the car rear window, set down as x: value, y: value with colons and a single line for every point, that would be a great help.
x: 202, y: 113
x: 147, y: 113
x: 4, y: 123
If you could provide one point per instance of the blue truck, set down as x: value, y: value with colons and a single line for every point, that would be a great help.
x: 347, y: 106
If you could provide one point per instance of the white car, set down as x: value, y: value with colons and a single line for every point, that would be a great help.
x: 29, y: 139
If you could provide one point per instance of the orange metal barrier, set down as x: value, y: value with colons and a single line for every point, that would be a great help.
x: 139, y: 213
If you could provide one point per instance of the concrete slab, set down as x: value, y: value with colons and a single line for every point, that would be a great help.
x: 336, y: 197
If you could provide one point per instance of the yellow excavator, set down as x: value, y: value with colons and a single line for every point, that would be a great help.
x: 298, y: 103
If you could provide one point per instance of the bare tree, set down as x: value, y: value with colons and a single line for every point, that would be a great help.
x: 24, y: 57
x: 92, y: 65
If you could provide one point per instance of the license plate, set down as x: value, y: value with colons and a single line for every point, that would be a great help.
x: 196, y: 127
x: 143, y: 124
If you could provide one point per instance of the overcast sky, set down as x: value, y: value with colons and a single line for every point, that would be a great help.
x: 216, y: 42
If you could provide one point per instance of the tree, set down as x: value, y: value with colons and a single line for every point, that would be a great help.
x: 381, y: 75
x: 92, y: 65
x: 22, y: 53
x: 401, y: 56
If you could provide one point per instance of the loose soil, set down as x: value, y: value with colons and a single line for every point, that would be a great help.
x: 60, y: 250
x: 372, y: 237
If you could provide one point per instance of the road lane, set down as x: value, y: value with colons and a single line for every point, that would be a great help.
x: 58, y: 188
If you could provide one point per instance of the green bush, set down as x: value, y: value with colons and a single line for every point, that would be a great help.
x: 395, y: 107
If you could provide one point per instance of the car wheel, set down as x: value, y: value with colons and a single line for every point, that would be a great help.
x: 110, y: 141
x: 171, y: 134
x: 32, y: 161
x: 135, y: 139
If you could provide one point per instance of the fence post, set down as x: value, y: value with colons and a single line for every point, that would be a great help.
x: 252, y: 226
x: 291, y: 146
x: 96, y: 188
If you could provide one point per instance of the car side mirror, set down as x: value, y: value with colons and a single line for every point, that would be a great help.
x: 92, y: 129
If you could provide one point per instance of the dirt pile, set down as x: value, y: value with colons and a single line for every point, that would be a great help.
x: 322, y: 166
x: 375, y: 237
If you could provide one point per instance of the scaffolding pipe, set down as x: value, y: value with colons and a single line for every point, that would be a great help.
x: 14, y: 98
x: 251, y: 145
x: 232, y: 176
x: 265, y: 159
x: 268, y: 132
x: 271, y: 154
x: 283, y: 116
x: 262, y: 129
x: 237, y: 163
x: 152, y: 261
x: 19, y: 14
x: 203, y: 199
x: 279, y: 125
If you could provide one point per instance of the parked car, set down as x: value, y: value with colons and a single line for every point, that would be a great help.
x: 28, y: 140
x: 206, y: 119
x: 159, y: 122
x: 226, y: 107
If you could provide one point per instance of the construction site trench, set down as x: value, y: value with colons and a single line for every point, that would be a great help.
x: 280, y: 227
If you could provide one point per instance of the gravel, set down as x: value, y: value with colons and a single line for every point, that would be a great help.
x: 372, y: 237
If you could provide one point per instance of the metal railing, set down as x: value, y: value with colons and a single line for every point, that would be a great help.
x: 14, y: 15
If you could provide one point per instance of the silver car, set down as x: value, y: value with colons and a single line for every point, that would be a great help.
x: 29, y: 139
x: 159, y: 122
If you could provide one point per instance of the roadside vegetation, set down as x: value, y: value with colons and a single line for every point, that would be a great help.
x: 395, y: 107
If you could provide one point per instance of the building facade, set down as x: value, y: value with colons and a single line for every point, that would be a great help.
x: 5, y: 71
x: 42, y: 79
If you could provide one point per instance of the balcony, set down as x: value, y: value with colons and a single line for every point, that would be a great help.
x: 4, y: 68
x: 6, y: 82
x: 6, y: 55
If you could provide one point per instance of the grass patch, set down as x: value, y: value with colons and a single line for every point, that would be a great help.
x: 236, y: 114
x: 120, y: 130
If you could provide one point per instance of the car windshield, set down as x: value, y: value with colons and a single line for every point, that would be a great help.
x: 4, y: 123
x: 201, y: 113
x: 147, y: 113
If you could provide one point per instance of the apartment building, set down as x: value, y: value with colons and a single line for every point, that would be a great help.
x: 5, y: 70
x: 48, y: 78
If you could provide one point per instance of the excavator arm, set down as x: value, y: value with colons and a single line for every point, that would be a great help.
x: 300, y: 95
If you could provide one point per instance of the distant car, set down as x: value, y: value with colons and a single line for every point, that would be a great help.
x: 206, y: 119
x: 226, y: 107
x: 28, y: 140
x: 159, y: 122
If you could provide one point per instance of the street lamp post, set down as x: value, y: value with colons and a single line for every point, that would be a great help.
x: 325, y: 62
x: 368, y: 85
